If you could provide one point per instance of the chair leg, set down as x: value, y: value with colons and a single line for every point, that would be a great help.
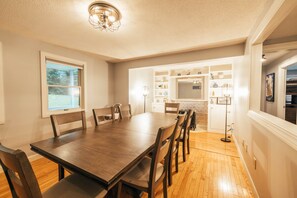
x: 188, y: 144
x: 165, y: 187
x: 150, y: 194
x: 184, y: 151
x: 170, y: 170
x: 176, y: 161
x: 119, y: 190
x: 61, y: 172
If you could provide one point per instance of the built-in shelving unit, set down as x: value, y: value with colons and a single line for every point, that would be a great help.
x: 220, y: 93
x: 214, y: 82
x: 161, y: 86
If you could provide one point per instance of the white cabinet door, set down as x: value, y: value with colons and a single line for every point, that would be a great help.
x: 217, y: 116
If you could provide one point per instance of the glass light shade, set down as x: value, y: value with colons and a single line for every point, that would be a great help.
x: 104, y: 16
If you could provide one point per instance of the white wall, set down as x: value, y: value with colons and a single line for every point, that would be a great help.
x: 138, y: 78
x: 122, y: 69
x: 22, y: 86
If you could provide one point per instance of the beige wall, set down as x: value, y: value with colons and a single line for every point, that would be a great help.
x: 2, y: 115
x: 138, y: 78
x: 22, y: 88
x: 121, y: 69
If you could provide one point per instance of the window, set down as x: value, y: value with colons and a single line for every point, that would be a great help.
x: 62, y: 84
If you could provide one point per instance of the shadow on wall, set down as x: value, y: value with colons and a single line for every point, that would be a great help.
x: 260, y: 149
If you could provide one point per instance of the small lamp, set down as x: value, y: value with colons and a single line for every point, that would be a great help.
x: 145, y: 92
x: 227, y: 96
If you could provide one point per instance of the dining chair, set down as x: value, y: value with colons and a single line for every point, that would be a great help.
x: 103, y: 115
x: 124, y: 110
x: 175, y: 146
x: 171, y: 107
x: 60, y: 120
x: 150, y: 172
x: 23, y: 182
x: 185, y: 134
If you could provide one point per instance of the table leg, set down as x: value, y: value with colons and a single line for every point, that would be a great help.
x: 61, y: 172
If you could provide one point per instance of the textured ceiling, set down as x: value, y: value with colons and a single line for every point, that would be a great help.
x: 149, y: 27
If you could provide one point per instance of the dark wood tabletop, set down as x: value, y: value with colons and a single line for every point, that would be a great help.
x: 106, y: 152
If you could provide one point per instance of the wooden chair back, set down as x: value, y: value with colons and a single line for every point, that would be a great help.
x: 178, y: 128
x: 67, y: 118
x: 171, y: 107
x: 161, y: 153
x: 188, y: 122
x: 125, y: 111
x: 103, y: 115
x: 19, y: 173
x: 117, y: 111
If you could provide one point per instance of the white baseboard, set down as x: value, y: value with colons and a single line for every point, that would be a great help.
x: 255, y: 192
x: 31, y: 159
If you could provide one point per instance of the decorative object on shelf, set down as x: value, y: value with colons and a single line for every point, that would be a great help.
x: 269, y: 87
x: 179, y: 74
x: 211, y: 76
x: 145, y: 92
x: 188, y: 73
x: 215, y: 85
x: 213, y: 100
x: 104, y: 16
x: 199, y: 72
x: 224, y: 100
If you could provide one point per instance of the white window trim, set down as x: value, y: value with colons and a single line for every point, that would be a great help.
x: 2, y: 112
x: 44, y: 91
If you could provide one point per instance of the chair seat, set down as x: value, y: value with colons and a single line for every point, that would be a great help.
x: 139, y: 175
x: 76, y: 186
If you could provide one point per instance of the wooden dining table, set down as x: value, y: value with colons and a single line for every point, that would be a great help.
x: 105, y: 153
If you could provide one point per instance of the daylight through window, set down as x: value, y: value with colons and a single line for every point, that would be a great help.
x: 62, y: 88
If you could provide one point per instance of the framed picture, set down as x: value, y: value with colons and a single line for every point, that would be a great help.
x: 269, y: 87
x: 222, y: 100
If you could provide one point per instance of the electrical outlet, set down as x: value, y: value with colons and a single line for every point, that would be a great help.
x: 255, y: 163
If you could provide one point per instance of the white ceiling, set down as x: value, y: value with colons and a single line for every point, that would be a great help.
x: 149, y: 27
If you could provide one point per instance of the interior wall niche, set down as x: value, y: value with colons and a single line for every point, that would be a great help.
x: 279, y: 71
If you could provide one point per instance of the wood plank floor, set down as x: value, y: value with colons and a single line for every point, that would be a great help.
x: 213, y: 169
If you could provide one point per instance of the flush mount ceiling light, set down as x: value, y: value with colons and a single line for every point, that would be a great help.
x: 104, y: 16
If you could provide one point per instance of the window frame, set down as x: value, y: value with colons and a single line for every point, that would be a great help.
x: 44, y: 56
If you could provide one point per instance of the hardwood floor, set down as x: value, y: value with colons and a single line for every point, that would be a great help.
x: 213, y: 169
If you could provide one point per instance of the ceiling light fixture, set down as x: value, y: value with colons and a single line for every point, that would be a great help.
x: 104, y: 16
x: 263, y: 58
